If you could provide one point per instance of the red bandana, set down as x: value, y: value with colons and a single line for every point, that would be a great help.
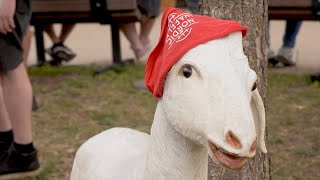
x: 180, y: 32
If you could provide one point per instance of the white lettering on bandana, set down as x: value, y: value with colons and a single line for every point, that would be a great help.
x: 179, y: 27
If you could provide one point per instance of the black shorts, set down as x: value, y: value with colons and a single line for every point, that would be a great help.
x: 11, y: 50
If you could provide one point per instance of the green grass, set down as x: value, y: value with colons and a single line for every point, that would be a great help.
x: 293, y: 127
x: 75, y: 106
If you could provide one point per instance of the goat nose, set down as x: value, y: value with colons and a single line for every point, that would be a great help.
x: 233, y: 140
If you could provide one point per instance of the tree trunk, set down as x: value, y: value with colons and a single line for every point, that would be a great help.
x: 253, y: 14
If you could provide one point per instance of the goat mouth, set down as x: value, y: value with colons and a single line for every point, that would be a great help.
x: 227, y: 159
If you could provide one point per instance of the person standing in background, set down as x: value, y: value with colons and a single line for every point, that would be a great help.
x: 140, y: 42
x: 59, y: 51
x: 286, y: 52
x: 18, y: 156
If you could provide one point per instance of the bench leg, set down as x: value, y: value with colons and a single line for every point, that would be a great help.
x: 40, y: 45
x: 116, y: 47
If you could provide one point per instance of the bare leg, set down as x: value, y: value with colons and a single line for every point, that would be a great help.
x: 17, y: 95
x: 146, y: 27
x: 50, y: 31
x: 59, y: 52
x: 26, y: 46
x: 5, y: 124
x: 66, y: 30
x: 130, y: 32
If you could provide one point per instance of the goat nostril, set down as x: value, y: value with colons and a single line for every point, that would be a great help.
x: 253, y: 146
x: 233, y: 140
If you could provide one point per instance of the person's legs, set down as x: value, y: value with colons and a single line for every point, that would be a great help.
x: 21, y: 157
x: 26, y: 46
x: 18, y: 157
x: 59, y: 51
x: 18, y: 97
x: 6, y: 135
x: 141, y: 43
x: 146, y: 27
x: 50, y: 31
x: 5, y: 124
x: 292, y: 29
x: 131, y: 34
x: 286, y: 54
x: 65, y: 31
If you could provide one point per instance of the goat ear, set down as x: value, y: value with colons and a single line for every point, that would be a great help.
x: 259, y: 116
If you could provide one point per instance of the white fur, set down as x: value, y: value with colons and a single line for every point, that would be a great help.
x: 217, y: 98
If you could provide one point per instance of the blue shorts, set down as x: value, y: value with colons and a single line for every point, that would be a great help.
x: 11, y: 50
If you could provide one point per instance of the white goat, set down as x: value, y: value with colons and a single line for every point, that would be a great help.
x: 210, y: 106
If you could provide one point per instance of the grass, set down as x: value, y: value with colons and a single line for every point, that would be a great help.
x: 75, y: 106
x: 294, y: 127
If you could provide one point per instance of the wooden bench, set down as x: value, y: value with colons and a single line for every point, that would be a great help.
x: 110, y: 12
x: 294, y: 9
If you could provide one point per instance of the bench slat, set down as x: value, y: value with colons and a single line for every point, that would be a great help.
x: 82, y: 17
x: 291, y: 9
x: 79, y: 5
x: 290, y: 3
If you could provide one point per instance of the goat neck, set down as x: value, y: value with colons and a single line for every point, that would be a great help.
x: 171, y: 155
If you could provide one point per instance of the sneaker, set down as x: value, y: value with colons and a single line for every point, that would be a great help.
x: 14, y: 164
x: 3, y: 149
x: 49, y: 51
x: 60, y: 51
x: 315, y: 77
x: 3, y: 152
x: 272, y: 58
x: 285, y: 56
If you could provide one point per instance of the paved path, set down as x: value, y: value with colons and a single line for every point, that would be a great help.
x: 93, y: 45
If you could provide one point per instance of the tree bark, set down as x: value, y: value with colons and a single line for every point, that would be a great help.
x: 253, y: 14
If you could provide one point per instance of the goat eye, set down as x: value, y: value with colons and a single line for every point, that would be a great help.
x: 254, y: 87
x: 187, y: 71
